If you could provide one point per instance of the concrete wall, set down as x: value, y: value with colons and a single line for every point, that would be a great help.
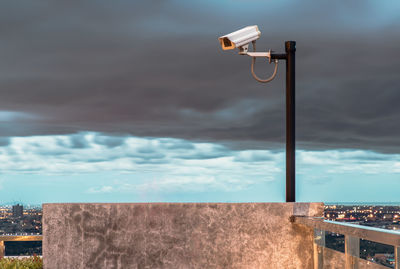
x: 173, y: 235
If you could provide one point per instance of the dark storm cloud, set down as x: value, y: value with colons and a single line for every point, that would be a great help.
x: 4, y: 141
x: 78, y: 141
x: 74, y: 141
x: 154, y: 68
x: 109, y: 141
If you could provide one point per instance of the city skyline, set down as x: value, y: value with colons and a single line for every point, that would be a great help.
x: 136, y: 102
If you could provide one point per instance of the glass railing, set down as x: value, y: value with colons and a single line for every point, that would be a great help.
x: 352, y: 235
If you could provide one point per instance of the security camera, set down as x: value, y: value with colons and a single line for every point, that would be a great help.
x: 240, y: 39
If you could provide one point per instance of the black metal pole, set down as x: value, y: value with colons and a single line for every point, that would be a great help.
x: 290, y: 48
x: 289, y: 56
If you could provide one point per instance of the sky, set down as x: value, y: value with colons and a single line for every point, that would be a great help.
x: 135, y: 101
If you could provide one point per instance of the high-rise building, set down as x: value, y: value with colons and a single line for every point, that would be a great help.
x: 17, y: 210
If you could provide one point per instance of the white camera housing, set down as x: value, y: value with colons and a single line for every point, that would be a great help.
x: 240, y: 39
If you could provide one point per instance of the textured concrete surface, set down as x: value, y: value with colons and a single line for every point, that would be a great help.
x: 335, y: 259
x: 173, y: 235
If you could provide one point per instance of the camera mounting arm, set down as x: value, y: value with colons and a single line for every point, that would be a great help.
x: 259, y: 54
x: 268, y: 54
x: 254, y: 55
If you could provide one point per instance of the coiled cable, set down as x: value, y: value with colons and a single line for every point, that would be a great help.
x: 253, y: 63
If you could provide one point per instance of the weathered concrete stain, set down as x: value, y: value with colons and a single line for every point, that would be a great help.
x: 177, y: 235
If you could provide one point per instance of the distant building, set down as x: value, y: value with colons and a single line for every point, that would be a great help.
x: 388, y: 216
x: 17, y: 210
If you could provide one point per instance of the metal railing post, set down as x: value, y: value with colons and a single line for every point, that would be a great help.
x: 319, y: 244
x: 2, y: 249
x: 396, y: 257
x: 352, y: 251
